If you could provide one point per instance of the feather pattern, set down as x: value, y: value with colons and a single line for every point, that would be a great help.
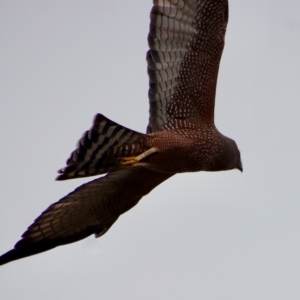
x: 186, y: 41
x: 171, y: 29
x: 90, y: 209
x: 100, y: 147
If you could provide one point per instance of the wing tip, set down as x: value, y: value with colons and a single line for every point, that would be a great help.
x: 7, y: 257
x: 14, y: 254
x: 25, y: 251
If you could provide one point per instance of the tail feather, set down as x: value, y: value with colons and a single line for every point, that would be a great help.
x: 100, y: 147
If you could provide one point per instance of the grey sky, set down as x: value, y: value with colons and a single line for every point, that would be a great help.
x: 205, y: 236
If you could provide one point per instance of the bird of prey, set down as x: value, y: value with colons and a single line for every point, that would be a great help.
x: 186, y: 40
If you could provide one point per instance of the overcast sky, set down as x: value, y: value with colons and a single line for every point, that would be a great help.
x: 205, y: 236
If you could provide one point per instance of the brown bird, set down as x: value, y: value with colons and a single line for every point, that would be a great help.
x: 186, y: 40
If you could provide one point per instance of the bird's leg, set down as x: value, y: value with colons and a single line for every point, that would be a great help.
x: 133, y: 160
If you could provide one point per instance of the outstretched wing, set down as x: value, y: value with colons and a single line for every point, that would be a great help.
x: 186, y: 41
x: 90, y: 209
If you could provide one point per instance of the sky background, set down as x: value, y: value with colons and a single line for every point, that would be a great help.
x: 205, y: 236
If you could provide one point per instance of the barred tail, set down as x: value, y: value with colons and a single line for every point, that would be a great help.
x: 100, y: 147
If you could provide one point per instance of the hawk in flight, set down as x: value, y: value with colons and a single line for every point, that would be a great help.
x: 186, y: 40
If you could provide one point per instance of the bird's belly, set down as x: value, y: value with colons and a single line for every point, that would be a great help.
x: 176, y: 156
x: 175, y: 163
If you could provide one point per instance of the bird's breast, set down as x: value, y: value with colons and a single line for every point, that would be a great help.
x: 178, y: 153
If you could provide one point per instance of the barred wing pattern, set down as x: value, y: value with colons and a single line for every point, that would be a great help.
x: 99, y: 148
x: 171, y: 30
x: 90, y: 209
x: 186, y: 41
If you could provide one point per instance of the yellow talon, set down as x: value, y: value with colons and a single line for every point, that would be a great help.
x: 132, y: 160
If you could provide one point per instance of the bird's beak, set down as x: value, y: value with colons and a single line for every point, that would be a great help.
x: 240, y: 167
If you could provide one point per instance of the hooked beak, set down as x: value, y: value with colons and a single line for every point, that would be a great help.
x: 240, y: 167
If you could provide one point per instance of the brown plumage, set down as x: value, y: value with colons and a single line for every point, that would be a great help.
x: 186, y: 41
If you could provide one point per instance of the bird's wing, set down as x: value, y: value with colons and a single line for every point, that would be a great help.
x: 186, y: 41
x: 90, y: 209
